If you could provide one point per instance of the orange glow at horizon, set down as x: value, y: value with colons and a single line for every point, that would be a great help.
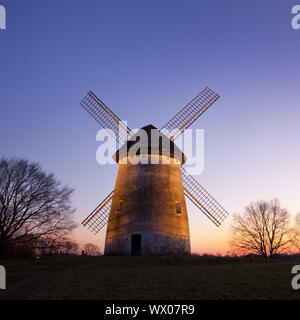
x: 205, y: 237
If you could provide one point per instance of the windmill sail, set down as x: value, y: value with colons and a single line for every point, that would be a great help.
x: 190, y: 113
x: 191, y: 188
x: 106, y: 117
x: 202, y: 199
x: 99, y: 217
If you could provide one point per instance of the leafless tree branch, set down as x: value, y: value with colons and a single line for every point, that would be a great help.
x: 33, y: 204
x: 263, y: 229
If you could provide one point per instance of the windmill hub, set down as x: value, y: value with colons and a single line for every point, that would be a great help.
x: 151, y: 144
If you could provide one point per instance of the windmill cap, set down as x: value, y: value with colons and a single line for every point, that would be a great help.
x: 150, y: 141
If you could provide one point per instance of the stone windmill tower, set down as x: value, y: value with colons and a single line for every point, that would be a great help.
x: 146, y: 212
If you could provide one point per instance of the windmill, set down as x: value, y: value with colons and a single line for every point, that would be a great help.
x: 146, y: 212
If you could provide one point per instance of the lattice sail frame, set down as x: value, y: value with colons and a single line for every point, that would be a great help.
x: 99, y: 217
x: 190, y: 113
x: 106, y: 117
x: 202, y: 199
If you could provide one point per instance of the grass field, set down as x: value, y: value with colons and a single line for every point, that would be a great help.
x: 185, y: 277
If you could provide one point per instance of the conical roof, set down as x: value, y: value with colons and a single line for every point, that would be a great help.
x: 142, y: 144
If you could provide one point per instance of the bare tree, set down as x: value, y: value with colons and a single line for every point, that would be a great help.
x: 263, y: 229
x: 50, y: 245
x: 70, y: 247
x: 91, y: 249
x: 297, y: 231
x: 297, y: 221
x: 33, y: 204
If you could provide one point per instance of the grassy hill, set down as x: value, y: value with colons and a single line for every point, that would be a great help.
x: 185, y: 277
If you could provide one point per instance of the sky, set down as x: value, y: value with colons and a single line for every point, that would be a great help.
x: 146, y: 60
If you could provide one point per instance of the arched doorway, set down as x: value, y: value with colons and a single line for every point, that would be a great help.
x: 136, y: 244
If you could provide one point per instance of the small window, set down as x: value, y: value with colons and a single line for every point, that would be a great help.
x: 119, y: 206
x: 178, y: 209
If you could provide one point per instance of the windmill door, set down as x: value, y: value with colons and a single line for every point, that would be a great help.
x: 136, y: 244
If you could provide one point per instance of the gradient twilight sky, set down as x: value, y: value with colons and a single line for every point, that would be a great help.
x: 146, y: 60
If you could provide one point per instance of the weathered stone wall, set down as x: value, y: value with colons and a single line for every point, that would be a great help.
x: 149, y: 193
